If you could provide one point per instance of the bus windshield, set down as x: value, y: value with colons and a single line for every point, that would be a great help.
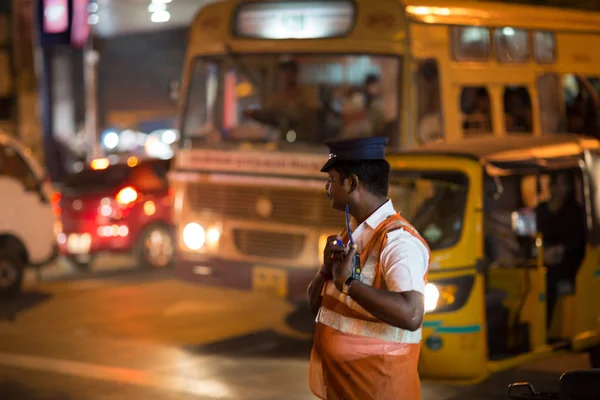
x: 294, y: 100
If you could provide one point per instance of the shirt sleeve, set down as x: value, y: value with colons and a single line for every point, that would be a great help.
x: 404, y: 261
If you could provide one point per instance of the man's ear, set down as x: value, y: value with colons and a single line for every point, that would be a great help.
x: 352, y: 183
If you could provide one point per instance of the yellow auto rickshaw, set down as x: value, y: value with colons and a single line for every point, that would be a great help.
x: 477, y: 202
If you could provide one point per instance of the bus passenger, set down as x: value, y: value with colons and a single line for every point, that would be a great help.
x: 294, y: 102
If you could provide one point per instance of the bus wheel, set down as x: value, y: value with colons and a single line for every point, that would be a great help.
x: 11, y: 273
x: 595, y: 356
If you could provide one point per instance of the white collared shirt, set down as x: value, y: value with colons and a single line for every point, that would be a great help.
x: 404, y: 259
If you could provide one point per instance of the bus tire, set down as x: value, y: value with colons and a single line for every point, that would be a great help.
x: 12, y: 268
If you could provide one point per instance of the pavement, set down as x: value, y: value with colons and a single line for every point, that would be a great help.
x: 122, y: 333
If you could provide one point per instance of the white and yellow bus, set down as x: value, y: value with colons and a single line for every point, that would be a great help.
x: 251, y: 210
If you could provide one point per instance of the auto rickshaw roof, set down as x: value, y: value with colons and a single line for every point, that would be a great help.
x: 512, y: 148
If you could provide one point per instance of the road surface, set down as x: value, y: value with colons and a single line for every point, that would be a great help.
x: 119, y: 333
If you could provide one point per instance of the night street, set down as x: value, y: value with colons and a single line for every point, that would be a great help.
x: 119, y: 333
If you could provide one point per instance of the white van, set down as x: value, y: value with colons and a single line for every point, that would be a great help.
x: 28, y: 215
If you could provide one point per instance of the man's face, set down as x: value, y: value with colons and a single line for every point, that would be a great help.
x: 374, y: 89
x: 336, y: 190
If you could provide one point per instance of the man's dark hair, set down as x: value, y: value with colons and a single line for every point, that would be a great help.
x: 373, y: 174
x: 371, y: 78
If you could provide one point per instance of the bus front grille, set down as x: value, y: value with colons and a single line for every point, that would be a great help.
x: 268, y: 244
x: 286, y: 206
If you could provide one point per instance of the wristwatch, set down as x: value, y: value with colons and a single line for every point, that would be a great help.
x: 347, y: 284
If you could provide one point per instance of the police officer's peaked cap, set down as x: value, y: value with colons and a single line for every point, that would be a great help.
x: 372, y: 148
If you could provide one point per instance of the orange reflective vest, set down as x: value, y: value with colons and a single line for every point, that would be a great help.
x: 355, y: 356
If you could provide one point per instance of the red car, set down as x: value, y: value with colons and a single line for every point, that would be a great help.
x: 125, y: 207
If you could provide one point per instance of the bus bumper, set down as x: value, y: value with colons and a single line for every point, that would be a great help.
x: 284, y: 282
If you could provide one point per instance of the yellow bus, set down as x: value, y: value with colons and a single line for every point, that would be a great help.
x: 265, y: 83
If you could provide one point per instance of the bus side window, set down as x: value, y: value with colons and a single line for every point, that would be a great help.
x: 430, y: 110
x: 476, y: 110
x: 470, y: 43
x: 511, y: 45
x: 517, y: 110
x: 544, y: 47
x: 582, y: 105
x: 551, y: 113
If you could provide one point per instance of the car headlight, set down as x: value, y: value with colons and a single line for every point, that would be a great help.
x: 438, y: 296
x: 194, y: 236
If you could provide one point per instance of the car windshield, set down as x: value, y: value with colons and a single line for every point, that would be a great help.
x: 292, y: 100
x: 434, y: 202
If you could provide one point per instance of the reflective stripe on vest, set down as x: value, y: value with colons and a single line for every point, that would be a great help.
x: 375, y: 330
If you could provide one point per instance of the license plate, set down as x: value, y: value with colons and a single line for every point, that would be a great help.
x: 270, y: 280
x: 79, y: 243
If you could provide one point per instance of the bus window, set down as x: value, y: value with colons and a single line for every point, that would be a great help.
x: 581, y: 104
x: 430, y: 110
x: 544, y: 47
x: 470, y: 43
x: 551, y: 116
x: 297, y: 99
x: 517, y: 110
x: 476, y: 110
x: 199, y: 117
x: 512, y: 45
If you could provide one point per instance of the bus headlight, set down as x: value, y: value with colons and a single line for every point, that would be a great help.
x: 213, y: 235
x: 194, y: 236
x: 438, y: 296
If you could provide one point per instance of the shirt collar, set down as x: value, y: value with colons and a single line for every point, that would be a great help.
x: 378, y: 216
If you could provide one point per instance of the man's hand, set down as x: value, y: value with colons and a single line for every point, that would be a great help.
x: 333, y: 252
x: 342, y: 269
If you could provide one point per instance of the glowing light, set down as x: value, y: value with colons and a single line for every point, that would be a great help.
x: 160, y: 16
x: 132, y: 161
x: 432, y: 295
x: 123, y: 231
x: 149, y: 208
x: 169, y: 136
x: 290, y: 136
x: 155, y: 7
x: 213, y: 235
x: 100, y: 163
x: 508, y: 31
x: 127, y: 195
x: 294, y: 20
x: 194, y: 236
x: 110, y: 140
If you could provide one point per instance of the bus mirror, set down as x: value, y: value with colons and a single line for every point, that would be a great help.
x: 524, y: 222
